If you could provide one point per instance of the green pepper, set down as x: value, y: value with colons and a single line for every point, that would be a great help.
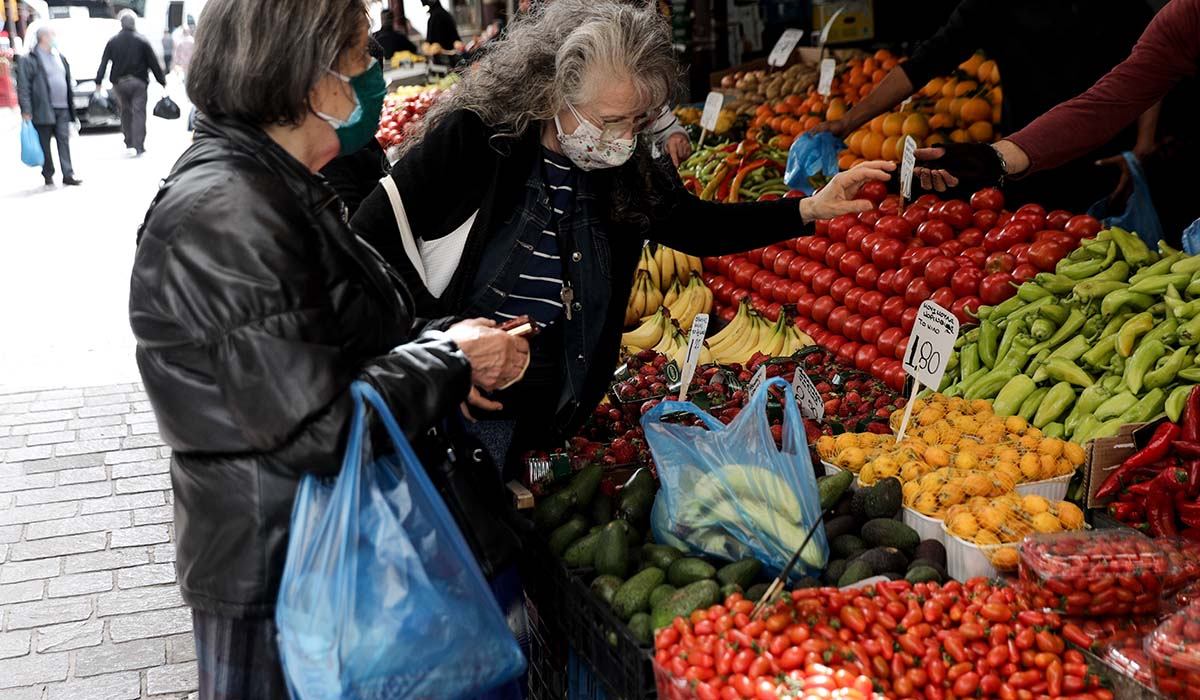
x: 1065, y: 370
x: 1025, y: 310
x: 1095, y: 289
x: 1070, y: 327
x: 1176, y: 400
x: 1036, y: 363
x: 1018, y: 355
x: 1056, y: 403
x: 1030, y: 405
x: 1108, y: 428
x: 1113, y: 383
x: 1073, y: 349
x: 1131, y: 330
x: 1190, y: 374
x: 1092, y: 397
x: 1158, y: 284
x: 1188, y: 265
x: 1004, y: 308
x: 1123, y: 297
x: 1008, y: 401
x: 1163, y: 266
x: 1165, y: 370
x: 1193, y: 288
x: 1189, y: 333
x: 1148, y: 407
x: 968, y: 362
x: 991, y: 384
x: 1116, y: 365
x: 1032, y: 291
x: 1006, y: 341
x: 1133, y: 250
x: 1188, y: 310
x: 1093, y: 326
x: 1118, y: 272
x: 1114, y: 324
x: 1089, y: 268
x: 1164, y: 331
x: 989, y: 339
x: 983, y: 312
x: 1116, y: 405
x: 1042, y: 328
x: 1054, y: 312
x: 1072, y: 420
x: 1100, y: 353
x: 1057, y: 285
x: 1083, y: 432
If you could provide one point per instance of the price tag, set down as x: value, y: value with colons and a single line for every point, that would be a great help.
x: 828, y: 26
x: 695, y: 344
x: 825, y: 81
x: 712, y: 110
x: 811, y: 405
x: 784, y: 47
x: 930, y: 345
x: 907, y: 162
x: 760, y: 376
x: 671, y: 373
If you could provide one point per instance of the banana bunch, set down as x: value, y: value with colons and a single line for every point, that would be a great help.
x: 650, y: 333
x: 749, y: 333
x: 685, y: 302
x: 644, y: 300
x: 674, y: 266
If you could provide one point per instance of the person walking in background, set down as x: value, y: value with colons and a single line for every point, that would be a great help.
x: 168, y: 43
x: 441, y: 29
x: 392, y: 36
x: 132, y: 62
x: 183, y: 50
x: 44, y: 94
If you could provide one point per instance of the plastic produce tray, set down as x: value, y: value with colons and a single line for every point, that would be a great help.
x: 1051, y: 489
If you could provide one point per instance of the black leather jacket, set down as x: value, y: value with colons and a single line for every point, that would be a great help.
x: 254, y: 308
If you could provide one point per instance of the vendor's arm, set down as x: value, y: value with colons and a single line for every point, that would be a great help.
x: 891, y: 91
x: 709, y: 228
x: 1166, y: 53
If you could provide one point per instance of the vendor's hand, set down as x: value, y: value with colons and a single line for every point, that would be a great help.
x: 978, y: 165
x: 1125, y: 184
x: 837, y: 127
x: 837, y: 197
x: 497, y: 358
x: 679, y: 147
x: 478, y: 400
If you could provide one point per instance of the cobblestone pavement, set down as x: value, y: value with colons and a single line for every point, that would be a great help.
x: 89, y: 607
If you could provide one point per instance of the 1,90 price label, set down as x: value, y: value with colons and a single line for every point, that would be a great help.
x: 930, y: 344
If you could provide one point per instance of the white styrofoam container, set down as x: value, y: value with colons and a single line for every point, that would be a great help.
x: 831, y: 469
x: 1050, y: 489
x: 966, y: 560
x: 928, y: 528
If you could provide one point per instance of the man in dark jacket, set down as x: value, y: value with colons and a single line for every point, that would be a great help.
x: 44, y: 88
x: 393, y: 36
x: 132, y: 62
x: 441, y: 28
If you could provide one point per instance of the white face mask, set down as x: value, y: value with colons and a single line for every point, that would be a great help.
x: 587, y: 148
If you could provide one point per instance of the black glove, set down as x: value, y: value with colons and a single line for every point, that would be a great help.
x: 976, y: 165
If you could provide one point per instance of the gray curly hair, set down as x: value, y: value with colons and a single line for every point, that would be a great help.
x: 551, y: 56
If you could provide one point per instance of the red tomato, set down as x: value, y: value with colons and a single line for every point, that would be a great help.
x: 1045, y: 255
x: 870, y: 240
x: 866, y: 355
x: 939, y: 270
x: 971, y: 237
x: 885, y: 280
x: 887, y: 341
x: 805, y: 303
x: 873, y: 190
x: 768, y: 256
x: 964, y: 308
x: 965, y: 281
x: 1024, y: 272
x: 984, y: 219
x: 943, y: 297
x: 853, y: 297
x: 952, y: 248
x: 782, y: 261
x: 833, y: 255
x: 821, y: 309
x: 873, y: 328
x: 854, y: 239
x: 977, y: 255
x: 990, y: 198
x: 957, y: 213
x: 1007, y: 236
x: 742, y: 273
x: 996, y: 287
x: 869, y: 217
x: 794, y: 194
x: 1000, y: 262
x: 1021, y: 252
x: 1058, y: 219
x: 935, y: 232
x: 919, y: 257
x: 889, y: 206
x: 894, y: 307
x: 817, y: 247
x: 1082, y: 226
x: 886, y: 254
x: 810, y: 270
x: 840, y: 226
x: 915, y: 215
x: 927, y: 200
x: 866, y: 276
x: 847, y: 352
x: 908, y: 319
x: 852, y: 328
x: 760, y: 278
x: 902, y: 343
x: 871, y: 303
x: 824, y: 280
x: 900, y: 282
x: 1034, y: 219
x: 797, y: 264
x: 840, y: 286
x: 837, y: 320
x: 795, y: 290
x: 894, y: 227
x: 850, y: 263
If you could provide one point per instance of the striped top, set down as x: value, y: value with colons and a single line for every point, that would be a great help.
x: 538, y: 290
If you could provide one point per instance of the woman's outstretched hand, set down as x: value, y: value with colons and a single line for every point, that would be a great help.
x: 838, y: 196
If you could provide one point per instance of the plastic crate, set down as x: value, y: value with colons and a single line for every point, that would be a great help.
x: 604, y: 643
x: 548, y: 662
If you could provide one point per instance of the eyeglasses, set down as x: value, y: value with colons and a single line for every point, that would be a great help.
x: 620, y: 127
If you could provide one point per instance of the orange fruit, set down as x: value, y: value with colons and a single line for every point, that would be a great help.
x: 916, y: 126
x: 889, y: 64
x: 876, y: 124
x: 869, y: 66
x: 942, y: 105
x: 996, y: 96
x: 972, y: 64
x: 948, y: 87
x: 846, y: 160
x: 934, y: 140
x: 956, y: 106
x: 987, y: 71
x: 883, y: 55
x: 933, y: 87
x: 794, y: 101
x: 941, y: 120
x: 965, y: 87
x: 996, y: 114
x: 866, y: 89
x: 837, y: 109
x: 960, y: 136
x: 981, y: 132
x: 878, y: 76
x: 854, y: 142
x: 788, y: 126
x: 872, y: 146
x: 974, y: 110
x: 856, y: 77
x: 890, y: 149
x: 809, y: 122
x: 893, y: 124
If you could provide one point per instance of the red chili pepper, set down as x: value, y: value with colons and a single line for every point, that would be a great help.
x: 1186, y: 448
x: 726, y: 184
x: 1191, y: 417
x: 1174, y: 479
x: 1193, y: 477
x: 1189, y: 512
x: 1122, y: 511
x: 1192, y: 533
x: 1155, y: 450
x: 1160, y: 509
x: 1140, y: 489
x: 728, y: 148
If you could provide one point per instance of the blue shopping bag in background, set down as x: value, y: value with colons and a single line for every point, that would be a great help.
x: 1139, y: 216
x: 812, y: 161
x: 31, y: 148
x: 381, y: 597
x: 729, y: 492
x: 1191, y: 238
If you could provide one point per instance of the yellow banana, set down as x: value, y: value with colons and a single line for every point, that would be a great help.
x: 683, y: 267
x: 667, y: 344
x: 739, y: 350
x: 672, y: 293
x: 773, y: 345
x: 637, y: 300
x: 646, y: 335
x: 733, y: 330
x: 666, y: 265
x: 652, y: 268
x: 695, y: 300
x: 707, y: 306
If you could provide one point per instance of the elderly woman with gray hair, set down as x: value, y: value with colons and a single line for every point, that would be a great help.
x: 535, y: 174
x: 255, y: 308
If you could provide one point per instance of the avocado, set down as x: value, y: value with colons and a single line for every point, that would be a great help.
x: 612, y: 551
x: 606, y: 588
x: 942, y: 574
x: 583, y: 551
x: 728, y: 589
x: 932, y: 550
x: 634, y: 595
x: 855, y: 572
x: 893, y: 576
x: 660, y: 555
x: 831, y: 488
x: 585, y: 483
x: 922, y: 574
x: 683, y: 602
x: 884, y: 560
x: 568, y: 532
x: 550, y: 512
x: 636, y: 498
x: 843, y: 507
x: 841, y: 525
x: 858, y: 505
x: 660, y: 593
x: 741, y: 572
x: 807, y: 582
x: 846, y: 546
x: 884, y: 499
x: 639, y: 627
x: 886, y: 532
x: 688, y: 570
x: 755, y: 592
x: 600, y: 510
x: 834, y: 571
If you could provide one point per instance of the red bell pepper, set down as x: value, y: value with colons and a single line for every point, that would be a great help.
x: 1191, y: 417
x: 1155, y: 450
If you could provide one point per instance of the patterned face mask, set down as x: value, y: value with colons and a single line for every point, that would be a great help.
x: 588, y: 149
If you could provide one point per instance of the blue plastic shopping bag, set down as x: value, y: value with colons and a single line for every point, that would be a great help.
x: 1139, y: 216
x: 381, y: 597
x: 31, y: 148
x: 1191, y: 238
x: 729, y: 492
x: 812, y: 161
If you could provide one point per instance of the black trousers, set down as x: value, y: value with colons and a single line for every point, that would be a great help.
x: 237, y: 659
x: 60, y: 130
x: 131, y: 98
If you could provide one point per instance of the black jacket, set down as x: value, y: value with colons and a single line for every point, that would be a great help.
x: 33, y: 89
x: 254, y: 308
x: 490, y: 174
x: 441, y: 28
x: 131, y: 56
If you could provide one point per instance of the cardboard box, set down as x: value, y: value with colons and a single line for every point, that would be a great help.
x: 857, y: 23
x: 1104, y: 455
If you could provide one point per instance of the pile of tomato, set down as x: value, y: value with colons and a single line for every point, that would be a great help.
x: 931, y: 641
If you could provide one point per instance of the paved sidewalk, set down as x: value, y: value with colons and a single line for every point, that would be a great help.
x: 89, y: 607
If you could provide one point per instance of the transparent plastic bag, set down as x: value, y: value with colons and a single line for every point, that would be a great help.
x: 31, y: 148
x: 812, y: 161
x: 732, y: 481
x: 1139, y: 216
x: 381, y: 597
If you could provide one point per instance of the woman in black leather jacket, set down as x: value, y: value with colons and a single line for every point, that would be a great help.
x: 254, y: 308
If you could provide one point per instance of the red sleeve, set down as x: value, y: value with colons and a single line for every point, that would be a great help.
x: 1167, y: 52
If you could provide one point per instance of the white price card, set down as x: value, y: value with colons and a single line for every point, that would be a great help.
x: 760, y: 376
x: 825, y: 81
x: 695, y: 344
x: 907, y: 162
x: 811, y: 405
x: 712, y: 110
x: 930, y: 344
x: 784, y: 47
x: 828, y: 26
